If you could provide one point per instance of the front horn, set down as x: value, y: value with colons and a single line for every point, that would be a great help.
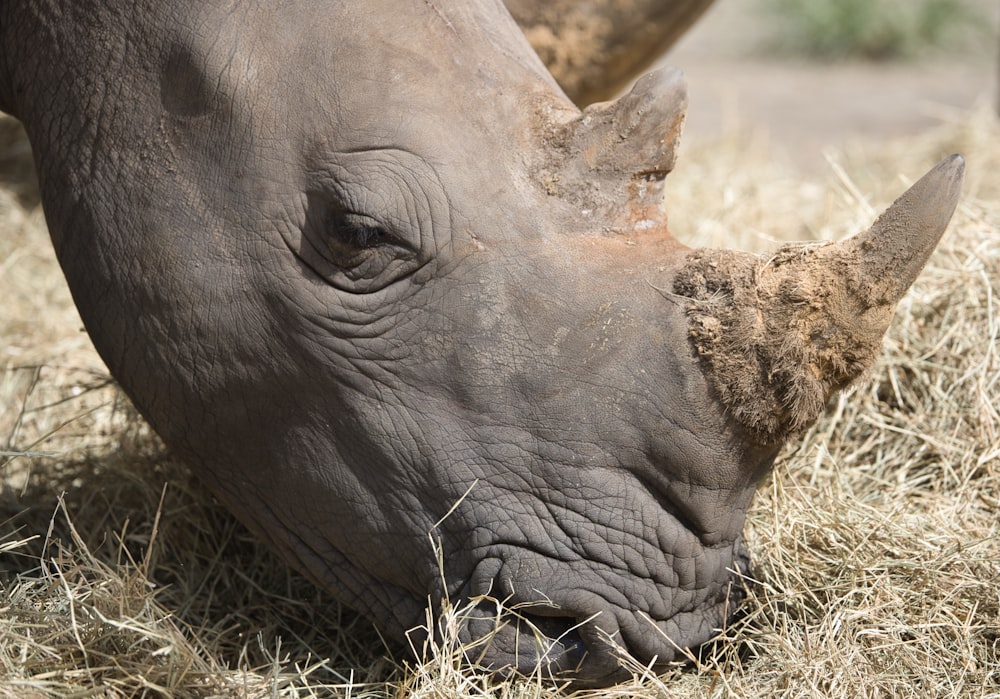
x: 778, y: 336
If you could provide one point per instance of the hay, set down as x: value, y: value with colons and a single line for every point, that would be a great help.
x: 876, y: 541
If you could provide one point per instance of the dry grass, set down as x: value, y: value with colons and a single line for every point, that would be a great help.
x: 877, y: 540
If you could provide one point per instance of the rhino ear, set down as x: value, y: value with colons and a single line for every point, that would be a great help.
x: 780, y: 336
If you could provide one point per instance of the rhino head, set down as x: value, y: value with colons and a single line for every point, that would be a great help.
x: 399, y: 302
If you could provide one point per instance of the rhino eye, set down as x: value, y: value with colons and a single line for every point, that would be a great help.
x: 357, y: 252
x: 354, y: 239
x: 367, y: 236
x: 357, y: 232
x: 370, y: 219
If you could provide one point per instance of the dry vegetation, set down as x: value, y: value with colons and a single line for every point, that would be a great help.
x: 877, y: 540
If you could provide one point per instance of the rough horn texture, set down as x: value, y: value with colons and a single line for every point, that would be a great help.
x: 614, y: 157
x: 594, y: 48
x: 779, y: 335
x: 895, y: 249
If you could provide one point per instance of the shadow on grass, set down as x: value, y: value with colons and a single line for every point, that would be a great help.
x: 120, y: 540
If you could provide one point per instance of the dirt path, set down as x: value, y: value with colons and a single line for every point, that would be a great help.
x: 804, y: 107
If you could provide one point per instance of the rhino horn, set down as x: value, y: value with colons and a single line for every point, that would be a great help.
x: 624, y: 149
x: 640, y: 131
x: 779, y: 336
x: 894, y: 250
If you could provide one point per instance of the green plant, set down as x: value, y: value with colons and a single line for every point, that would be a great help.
x: 868, y: 29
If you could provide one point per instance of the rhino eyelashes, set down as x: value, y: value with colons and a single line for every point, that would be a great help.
x: 367, y: 236
x: 357, y: 232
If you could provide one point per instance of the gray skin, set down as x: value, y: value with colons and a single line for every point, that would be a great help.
x: 396, y: 300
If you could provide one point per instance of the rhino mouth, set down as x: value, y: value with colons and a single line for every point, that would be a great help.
x: 566, y: 623
x: 539, y: 640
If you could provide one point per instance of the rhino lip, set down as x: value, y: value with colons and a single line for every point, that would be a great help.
x: 533, y: 639
x: 564, y: 647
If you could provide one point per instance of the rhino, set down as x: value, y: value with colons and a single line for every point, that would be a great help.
x: 418, y: 320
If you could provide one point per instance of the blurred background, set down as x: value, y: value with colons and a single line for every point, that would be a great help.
x: 806, y: 75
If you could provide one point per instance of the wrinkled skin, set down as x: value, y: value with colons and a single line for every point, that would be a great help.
x: 369, y: 271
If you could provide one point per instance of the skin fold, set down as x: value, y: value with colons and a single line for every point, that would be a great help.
x: 391, y: 294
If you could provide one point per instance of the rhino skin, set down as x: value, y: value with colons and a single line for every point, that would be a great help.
x: 393, y: 297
